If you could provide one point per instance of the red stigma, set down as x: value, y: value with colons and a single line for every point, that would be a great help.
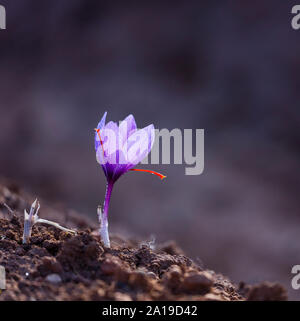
x: 161, y: 176
x: 101, y: 142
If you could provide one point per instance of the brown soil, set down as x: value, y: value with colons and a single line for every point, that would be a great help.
x: 60, y: 266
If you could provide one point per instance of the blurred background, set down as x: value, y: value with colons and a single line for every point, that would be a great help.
x: 230, y: 67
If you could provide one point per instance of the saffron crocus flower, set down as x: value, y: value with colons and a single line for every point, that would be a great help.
x: 118, y: 150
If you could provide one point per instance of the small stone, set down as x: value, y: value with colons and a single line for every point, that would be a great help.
x: 267, y: 291
x: 49, y: 266
x: 54, y: 278
x: 111, y: 265
x: 152, y: 275
x: 197, y: 282
x: 122, y: 297
x: 139, y: 280
x: 174, y: 271
x: 173, y: 277
x: 213, y: 297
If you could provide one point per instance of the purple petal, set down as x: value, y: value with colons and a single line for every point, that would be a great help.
x: 102, y: 121
x: 140, y: 144
x: 100, y: 126
x: 110, y: 138
x: 127, y: 128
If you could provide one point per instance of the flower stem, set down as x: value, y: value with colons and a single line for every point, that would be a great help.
x: 104, y: 216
